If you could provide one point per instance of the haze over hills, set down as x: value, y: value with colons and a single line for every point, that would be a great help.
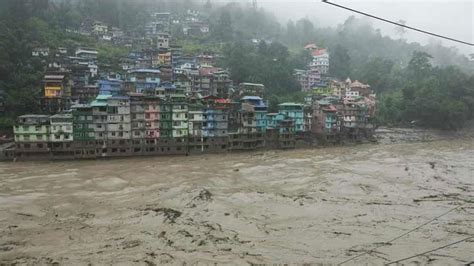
x: 258, y: 44
x: 449, y: 18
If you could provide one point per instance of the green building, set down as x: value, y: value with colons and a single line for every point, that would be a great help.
x: 294, y: 111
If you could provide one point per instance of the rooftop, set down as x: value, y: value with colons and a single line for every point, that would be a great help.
x: 33, y: 116
x: 319, y: 52
x: 252, y: 98
x: 251, y: 84
x: 54, y: 77
x: 291, y: 104
x: 61, y: 116
x: 145, y: 70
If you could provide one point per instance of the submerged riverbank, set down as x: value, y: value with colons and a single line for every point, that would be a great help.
x: 296, y: 206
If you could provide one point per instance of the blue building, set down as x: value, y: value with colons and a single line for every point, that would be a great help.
x: 110, y: 87
x: 261, y: 110
x: 141, y: 80
x: 295, y: 111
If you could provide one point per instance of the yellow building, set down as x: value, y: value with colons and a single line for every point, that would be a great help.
x: 54, y: 86
x: 165, y: 58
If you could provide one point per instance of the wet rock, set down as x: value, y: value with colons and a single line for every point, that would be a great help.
x: 236, y: 170
x: 149, y: 263
x: 204, y: 195
x: 226, y: 214
x: 170, y: 214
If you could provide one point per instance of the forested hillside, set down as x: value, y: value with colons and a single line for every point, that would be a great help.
x: 431, y: 84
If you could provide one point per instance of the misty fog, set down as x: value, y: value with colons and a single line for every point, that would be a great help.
x: 453, y: 19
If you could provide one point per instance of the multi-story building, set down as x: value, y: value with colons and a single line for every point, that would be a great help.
x: 221, y: 84
x: 55, y: 85
x: 152, y: 118
x: 84, y: 93
x: 215, y: 124
x: 280, y: 132
x: 61, y: 129
x: 163, y: 40
x: 119, y: 126
x: 196, y: 119
x: 294, y: 111
x: 143, y: 80
x: 99, y: 28
x: 251, y: 89
x: 260, y: 111
x: 112, y: 87
x: 166, y: 121
x: 100, y: 121
x: 57, y: 92
x: 183, y: 82
x: 32, y: 134
x: 176, y: 53
x: 307, y: 78
x: 83, y: 131
x: 61, y: 136
x: 164, y: 57
x: 179, y: 116
x: 87, y: 54
x: 137, y: 117
x: 320, y: 61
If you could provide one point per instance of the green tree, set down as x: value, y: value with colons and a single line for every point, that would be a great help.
x: 340, y: 62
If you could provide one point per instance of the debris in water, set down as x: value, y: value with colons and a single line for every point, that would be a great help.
x: 170, y: 214
x: 204, y: 195
x: 433, y: 164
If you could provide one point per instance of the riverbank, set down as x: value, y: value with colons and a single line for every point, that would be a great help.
x: 294, y: 206
x: 77, y: 151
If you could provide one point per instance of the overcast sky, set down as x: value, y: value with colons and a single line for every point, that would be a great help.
x: 452, y: 18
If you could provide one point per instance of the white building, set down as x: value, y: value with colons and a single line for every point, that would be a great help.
x: 163, y: 40
x: 320, y: 60
x: 61, y: 128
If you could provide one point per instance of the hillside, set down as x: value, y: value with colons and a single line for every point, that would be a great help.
x: 356, y: 49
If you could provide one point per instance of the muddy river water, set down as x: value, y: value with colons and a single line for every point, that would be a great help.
x: 299, y: 206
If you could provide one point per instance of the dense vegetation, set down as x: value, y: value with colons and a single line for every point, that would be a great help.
x: 430, y: 84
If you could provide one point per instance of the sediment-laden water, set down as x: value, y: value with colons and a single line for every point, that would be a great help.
x: 300, y: 206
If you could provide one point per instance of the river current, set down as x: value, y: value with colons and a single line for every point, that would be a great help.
x: 322, y: 205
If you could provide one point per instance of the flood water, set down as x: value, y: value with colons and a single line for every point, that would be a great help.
x: 300, y: 206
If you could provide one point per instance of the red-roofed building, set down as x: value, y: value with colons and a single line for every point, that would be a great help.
x: 311, y: 47
x: 320, y: 60
x: 213, y: 81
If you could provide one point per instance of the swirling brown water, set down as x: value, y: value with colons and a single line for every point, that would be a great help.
x: 300, y: 206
